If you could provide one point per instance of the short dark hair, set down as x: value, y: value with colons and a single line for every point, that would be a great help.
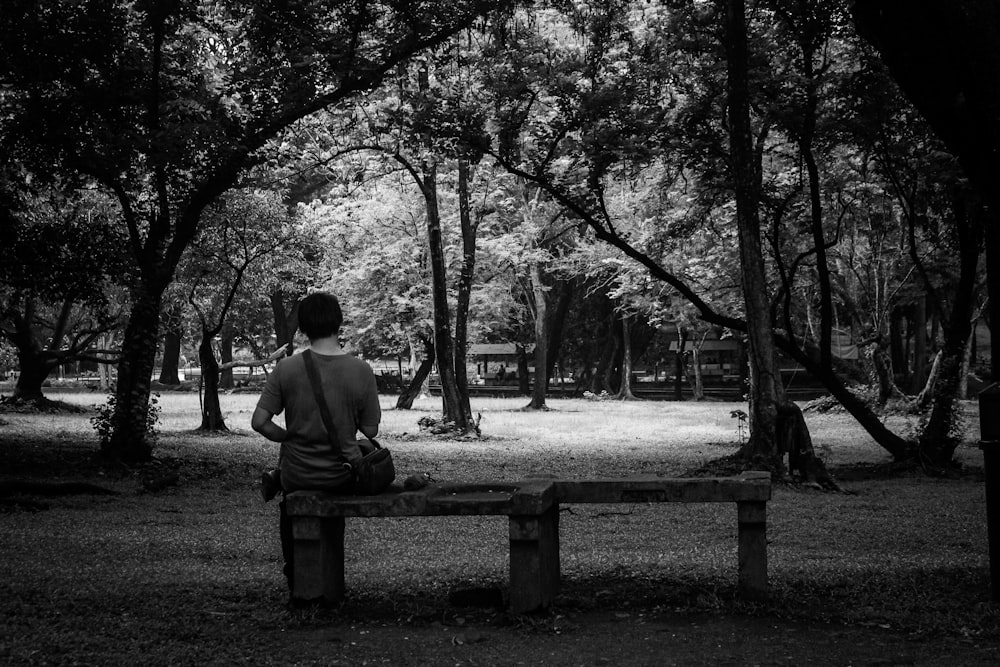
x: 320, y: 315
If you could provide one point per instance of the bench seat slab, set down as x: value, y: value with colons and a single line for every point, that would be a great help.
x: 655, y: 489
x: 526, y: 497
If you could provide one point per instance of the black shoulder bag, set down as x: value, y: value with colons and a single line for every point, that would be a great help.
x: 376, y: 470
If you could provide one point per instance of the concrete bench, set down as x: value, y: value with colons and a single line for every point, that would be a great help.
x: 750, y: 491
x: 318, y: 522
x: 532, y: 508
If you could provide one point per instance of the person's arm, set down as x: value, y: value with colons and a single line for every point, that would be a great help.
x: 368, y: 430
x: 261, y: 422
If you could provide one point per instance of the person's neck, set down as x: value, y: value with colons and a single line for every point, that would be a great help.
x: 328, y: 346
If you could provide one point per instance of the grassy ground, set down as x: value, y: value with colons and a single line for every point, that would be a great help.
x: 893, y: 572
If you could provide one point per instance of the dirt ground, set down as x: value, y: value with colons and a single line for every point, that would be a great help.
x: 616, y: 638
x: 892, y: 572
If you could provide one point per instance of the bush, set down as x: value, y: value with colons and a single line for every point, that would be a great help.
x: 104, y: 425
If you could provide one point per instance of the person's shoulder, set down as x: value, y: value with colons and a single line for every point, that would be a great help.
x: 289, y: 360
x: 355, y: 364
x: 288, y: 363
x: 357, y: 361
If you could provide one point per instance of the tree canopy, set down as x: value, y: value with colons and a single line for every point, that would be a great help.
x: 483, y: 172
x: 166, y: 104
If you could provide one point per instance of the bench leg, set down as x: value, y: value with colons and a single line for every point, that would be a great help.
x: 752, y: 517
x: 534, y: 560
x: 318, y: 571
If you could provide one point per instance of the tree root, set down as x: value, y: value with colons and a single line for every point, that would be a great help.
x: 794, y: 439
x: 450, y: 429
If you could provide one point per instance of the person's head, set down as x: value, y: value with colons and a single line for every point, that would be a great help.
x: 320, y: 315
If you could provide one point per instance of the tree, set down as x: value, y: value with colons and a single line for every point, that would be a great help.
x: 541, y: 229
x: 941, y: 435
x: 763, y: 446
x: 166, y: 104
x: 61, y: 282
x: 373, y: 226
x: 427, y: 125
x: 243, y: 228
x: 634, y: 299
x: 455, y: 396
x: 576, y: 153
x: 945, y: 57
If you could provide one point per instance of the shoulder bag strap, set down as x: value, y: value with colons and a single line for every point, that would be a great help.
x: 324, y: 411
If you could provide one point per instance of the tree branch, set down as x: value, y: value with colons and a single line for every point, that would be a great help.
x: 705, y: 311
x: 277, y: 354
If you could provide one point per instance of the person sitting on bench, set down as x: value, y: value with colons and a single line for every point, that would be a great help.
x: 307, y: 460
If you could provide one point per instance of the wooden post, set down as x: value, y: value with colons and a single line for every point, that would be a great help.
x: 319, y: 558
x: 752, y: 518
x: 534, y: 560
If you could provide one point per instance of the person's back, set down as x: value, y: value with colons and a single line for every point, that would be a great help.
x: 308, y: 459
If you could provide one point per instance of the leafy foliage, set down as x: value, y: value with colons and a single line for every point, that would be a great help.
x: 63, y: 278
x: 103, y: 424
x: 64, y: 247
x: 612, y: 113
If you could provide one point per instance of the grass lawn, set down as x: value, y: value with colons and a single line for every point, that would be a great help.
x: 895, y: 571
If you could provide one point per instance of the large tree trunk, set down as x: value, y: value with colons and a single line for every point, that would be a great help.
x: 761, y: 449
x: 34, y: 371
x: 130, y: 442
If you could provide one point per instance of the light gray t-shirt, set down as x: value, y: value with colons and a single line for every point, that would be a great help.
x: 307, y: 459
